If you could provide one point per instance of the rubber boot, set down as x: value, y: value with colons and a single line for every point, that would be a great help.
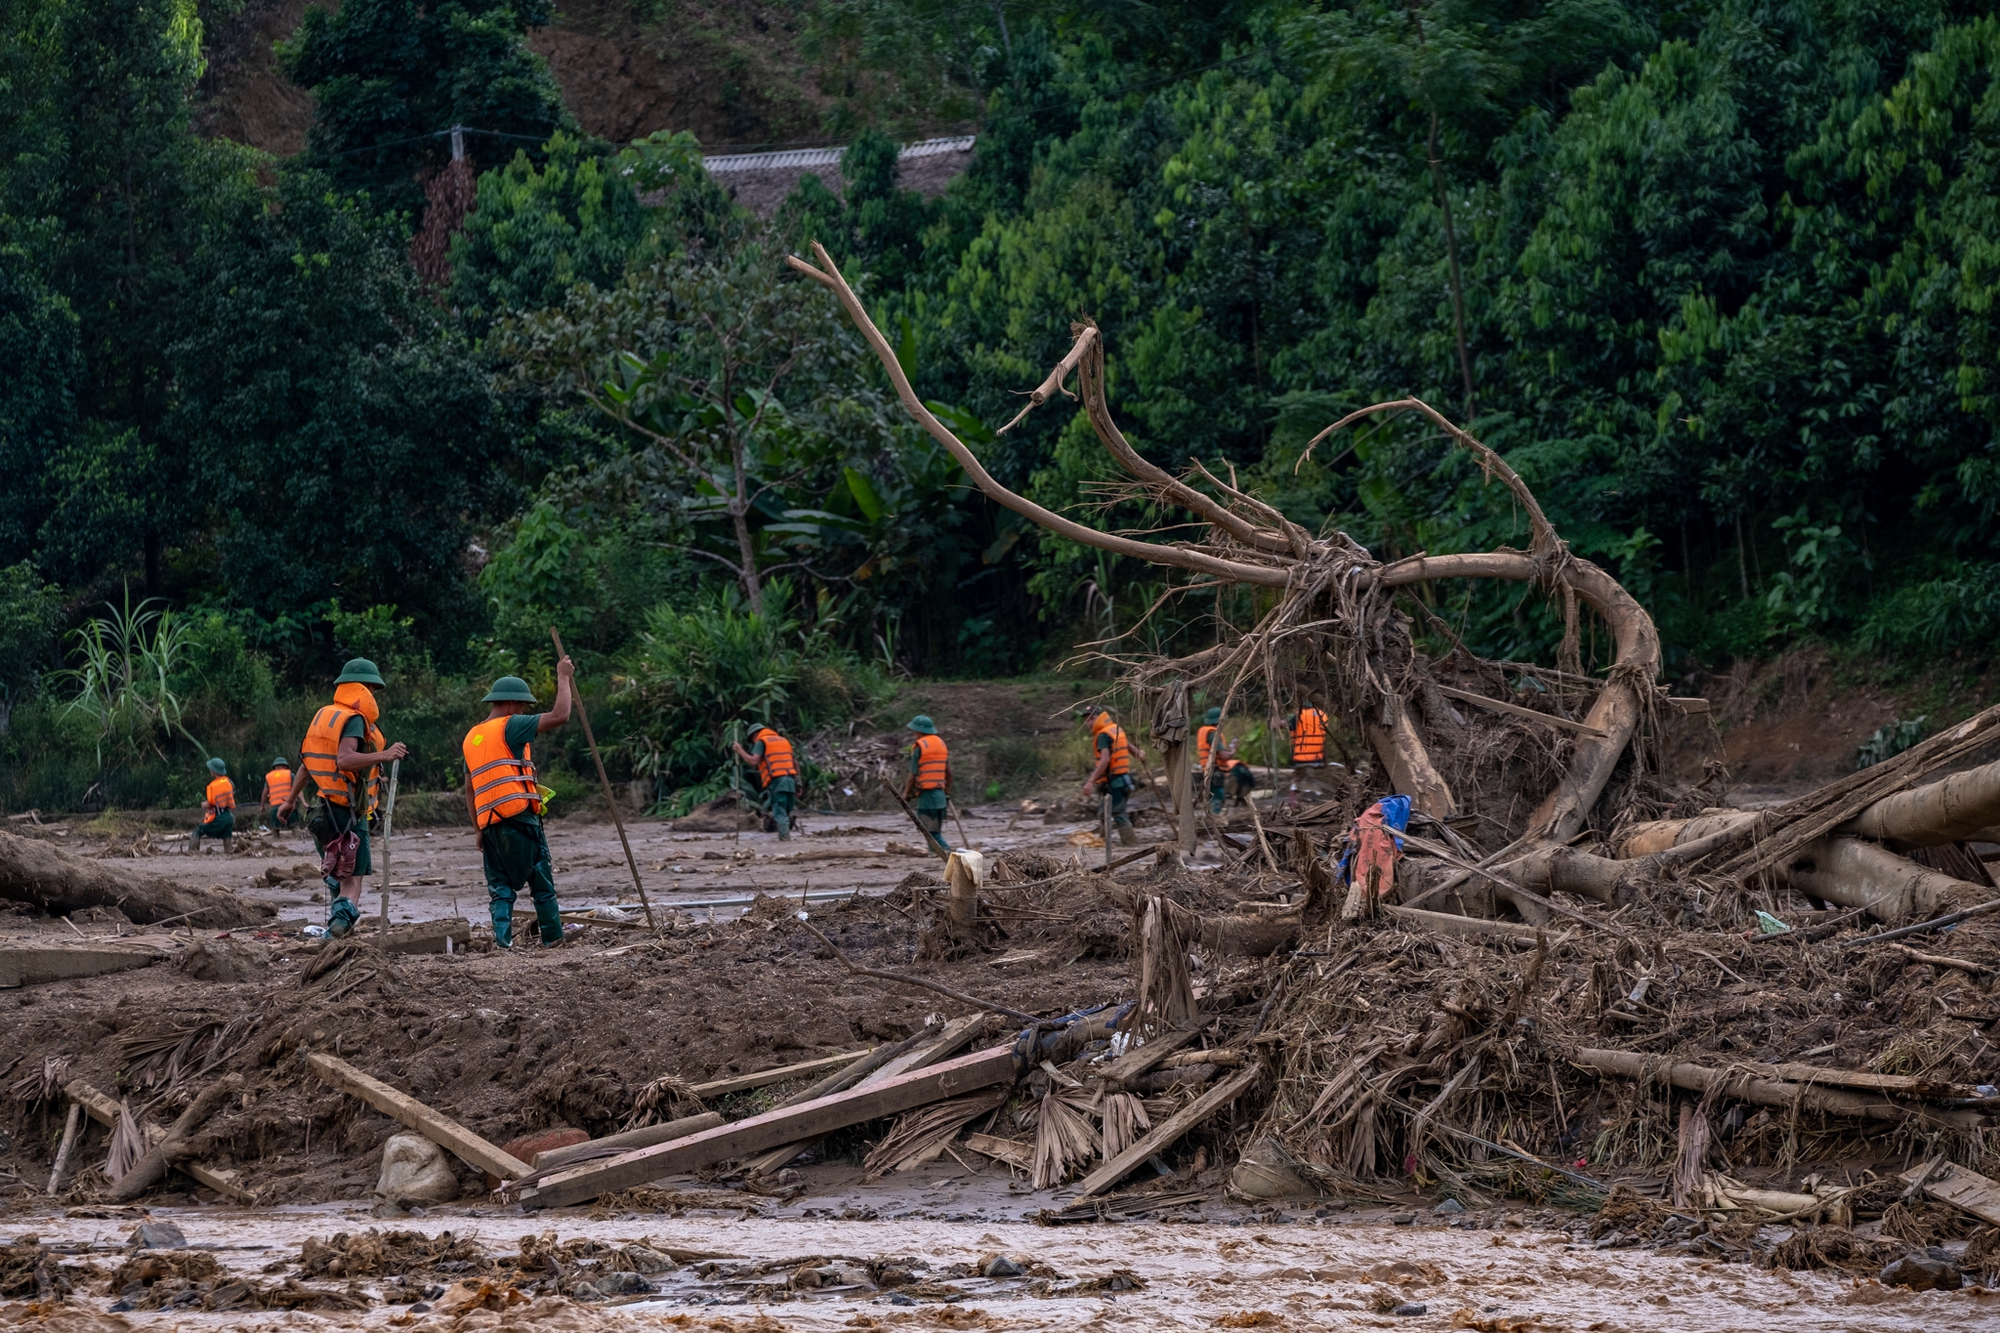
x: 1127, y: 835
x: 501, y: 907
x: 342, y: 916
x: 549, y: 917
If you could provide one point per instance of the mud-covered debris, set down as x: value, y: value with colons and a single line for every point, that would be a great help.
x: 28, y: 1269
x: 157, y: 1236
x: 1931, y: 1270
x: 405, y: 1252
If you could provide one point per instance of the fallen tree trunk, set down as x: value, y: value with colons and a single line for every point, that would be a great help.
x: 1772, y: 1092
x: 1572, y: 871
x: 1396, y: 742
x: 60, y: 882
x: 1468, y: 927
x: 1659, y: 835
x: 1854, y: 873
x: 1952, y: 809
x: 151, y: 1168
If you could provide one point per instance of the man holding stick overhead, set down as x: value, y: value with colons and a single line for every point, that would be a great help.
x: 505, y: 802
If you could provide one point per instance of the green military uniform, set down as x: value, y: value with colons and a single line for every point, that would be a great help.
x: 515, y: 850
x: 220, y: 823
x: 1118, y: 786
x: 932, y: 802
x: 780, y: 795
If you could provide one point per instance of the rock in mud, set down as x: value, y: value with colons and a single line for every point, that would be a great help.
x: 226, y: 961
x: 157, y: 1236
x: 414, y: 1170
x: 623, y: 1284
x: 1923, y: 1272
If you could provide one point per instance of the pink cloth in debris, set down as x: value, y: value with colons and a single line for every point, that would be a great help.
x: 1375, y: 851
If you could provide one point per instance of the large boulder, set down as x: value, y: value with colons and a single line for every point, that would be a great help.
x: 414, y: 1171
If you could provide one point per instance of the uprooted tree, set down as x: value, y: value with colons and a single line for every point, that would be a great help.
x: 1335, y: 632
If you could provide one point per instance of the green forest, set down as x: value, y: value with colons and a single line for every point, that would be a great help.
x: 1717, y: 278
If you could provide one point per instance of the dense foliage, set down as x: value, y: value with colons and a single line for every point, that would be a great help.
x: 1717, y: 277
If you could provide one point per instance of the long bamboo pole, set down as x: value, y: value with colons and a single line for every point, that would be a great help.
x: 388, y: 827
x: 583, y: 716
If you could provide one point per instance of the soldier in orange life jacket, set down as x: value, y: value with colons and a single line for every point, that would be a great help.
x: 277, y: 791
x: 347, y: 780
x: 777, y: 773
x: 1308, y: 731
x: 1113, y: 775
x: 505, y: 803
x: 218, y: 808
x: 930, y: 780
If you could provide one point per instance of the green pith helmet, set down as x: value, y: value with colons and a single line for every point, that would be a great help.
x: 1215, y: 717
x: 359, y: 671
x: 217, y: 767
x: 509, y: 690
x: 281, y: 762
x: 922, y: 725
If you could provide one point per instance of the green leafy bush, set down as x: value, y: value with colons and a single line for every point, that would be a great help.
x: 691, y: 673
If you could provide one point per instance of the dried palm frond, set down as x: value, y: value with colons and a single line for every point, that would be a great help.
x: 128, y: 1143
x: 1124, y: 1116
x: 1063, y: 1138
x: 919, y: 1136
x: 1166, y: 992
x: 41, y: 1083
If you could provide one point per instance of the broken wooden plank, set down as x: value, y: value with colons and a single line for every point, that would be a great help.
x: 765, y: 1077
x: 1516, y: 710
x: 1014, y: 1152
x: 1168, y: 1133
x: 611, y: 1145
x: 948, y: 1041
x: 1142, y: 1058
x: 1959, y: 1187
x: 791, y: 1124
x: 105, y: 1112
x: 439, y: 1129
x: 31, y: 964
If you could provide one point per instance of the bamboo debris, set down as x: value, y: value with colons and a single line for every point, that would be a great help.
x: 1771, y: 1091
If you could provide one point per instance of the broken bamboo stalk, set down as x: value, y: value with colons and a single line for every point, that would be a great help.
x: 1772, y: 1092
x: 442, y: 1130
x: 1937, y: 923
x: 1170, y: 1131
x: 70, y: 1127
x: 152, y: 1166
x: 1444, y: 923
x: 919, y: 1087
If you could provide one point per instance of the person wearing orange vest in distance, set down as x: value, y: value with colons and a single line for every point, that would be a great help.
x: 345, y: 779
x: 1113, y: 775
x: 277, y: 791
x: 1308, y: 744
x: 218, y: 808
x: 506, y: 805
x: 777, y: 774
x: 930, y: 780
x: 1226, y: 771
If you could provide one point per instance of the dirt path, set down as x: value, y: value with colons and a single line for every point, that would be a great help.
x: 1319, y: 1274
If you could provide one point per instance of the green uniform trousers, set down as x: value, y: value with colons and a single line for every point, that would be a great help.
x: 516, y: 855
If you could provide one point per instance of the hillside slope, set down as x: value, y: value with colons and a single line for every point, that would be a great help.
x: 730, y: 72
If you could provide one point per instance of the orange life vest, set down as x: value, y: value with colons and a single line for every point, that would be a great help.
x: 221, y: 794
x: 278, y: 786
x: 501, y: 784
x: 777, y: 760
x: 931, y: 756
x: 1309, y: 737
x: 1121, y: 752
x: 1204, y: 741
x: 321, y: 753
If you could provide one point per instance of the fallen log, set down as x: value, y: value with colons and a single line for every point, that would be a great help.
x: 105, y: 1112
x: 1169, y: 1132
x: 1952, y: 809
x: 1854, y: 873
x: 792, y: 1124
x: 60, y: 882
x: 1772, y: 1092
x: 442, y: 1130
x: 1469, y: 927
x: 151, y: 1168
x: 61, y: 1167
x: 1959, y: 1187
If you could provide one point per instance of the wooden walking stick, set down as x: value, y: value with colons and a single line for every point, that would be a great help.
x: 583, y: 715
x: 963, y: 837
x: 922, y: 832
x: 388, y: 826
x: 1104, y: 810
